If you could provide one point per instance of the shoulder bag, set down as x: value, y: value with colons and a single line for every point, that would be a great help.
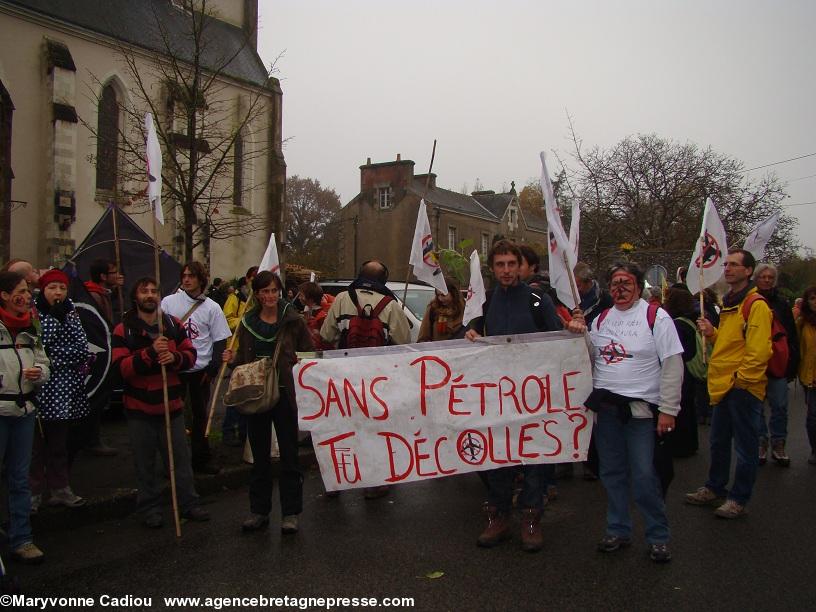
x: 254, y: 387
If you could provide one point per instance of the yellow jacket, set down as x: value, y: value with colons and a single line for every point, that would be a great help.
x: 741, y: 352
x: 234, y: 310
x: 807, y: 352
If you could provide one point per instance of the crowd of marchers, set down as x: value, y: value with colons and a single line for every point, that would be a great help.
x: 664, y: 362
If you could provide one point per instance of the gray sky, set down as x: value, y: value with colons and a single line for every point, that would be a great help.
x: 492, y: 81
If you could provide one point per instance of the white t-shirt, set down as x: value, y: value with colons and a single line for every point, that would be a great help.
x: 205, y: 326
x: 627, y: 354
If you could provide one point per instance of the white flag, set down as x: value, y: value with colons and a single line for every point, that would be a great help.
x: 312, y: 277
x: 423, y: 258
x: 758, y: 239
x: 270, y: 259
x: 476, y: 291
x: 561, y: 254
x: 154, y: 169
x: 707, y: 260
x: 575, y: 225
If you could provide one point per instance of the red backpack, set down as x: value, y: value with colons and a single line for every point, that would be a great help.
x: 778, y: 363
x: 365, y: 329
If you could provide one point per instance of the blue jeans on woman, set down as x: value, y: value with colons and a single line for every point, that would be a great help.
x: 16, y: 440
x: 777, y: 395
x: 626, y: 451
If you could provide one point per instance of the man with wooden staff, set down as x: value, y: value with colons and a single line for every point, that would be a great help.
x: 139, y: 352
x: 206, y: 326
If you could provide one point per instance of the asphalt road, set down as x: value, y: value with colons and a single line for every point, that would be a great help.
x: 387, y: 548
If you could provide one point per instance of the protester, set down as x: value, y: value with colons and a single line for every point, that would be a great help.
x: 806, y: 328
x: 797, y: 307
x: 736, y: 384
x: 23, y: 367
x: 777, y: 390
x: 271, y: 321
x: 62, y: 399
x: 513, y: 308
x: 236, y: 303
x: 530, y: 273
x: 594, y: 299
x: 637, y: 374
x: 139, y: 351
x: 217, y: 292
x: 443, y: 315
x: 207, y: 328
x: 316, y: 305
x: 104, y: 287
x: 27, y: 270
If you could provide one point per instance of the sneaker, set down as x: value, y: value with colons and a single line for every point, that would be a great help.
x: 28, y: 553
x: 153, y: 521
x: 703, y: 497
x: 65, y: 497
x: 196, y: 514
x: 763, y: 451
x: 36, y: 502
x: 255, y: 522
x: 611, y: 543
x: 778, y: 453
x: 731, y: 510
x: 289, y: 524
x: 660, y: 553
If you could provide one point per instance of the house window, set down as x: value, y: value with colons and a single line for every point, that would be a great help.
x: 485, y: 246
x: 513, y: 218
x: 452, y: 241
x: 107, y: 139
x: 384, y: 195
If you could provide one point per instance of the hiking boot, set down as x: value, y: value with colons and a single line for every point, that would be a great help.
x: 36, y: 502
x: 703, y: 497
x: 552, y: 493
x: 65, y: 497
x: 778, y: 453
x: 763, y: 451
x: 660, y: 553
x: 532, y: 540
x: 289, y: 524
x: 731, y: 510
x: 497, y: 530
x: 611, y: 543
x: 28, y: 553
x: 255, y: 522
x: 196, y: 514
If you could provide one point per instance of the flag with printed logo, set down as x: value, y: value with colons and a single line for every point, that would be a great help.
x: 270, y: 259
x: 707, y: 260
x: 562, y: 258
x: 154, y: 169
x: 476, y: 291
x: 423, y: 258
x: 758, y: 238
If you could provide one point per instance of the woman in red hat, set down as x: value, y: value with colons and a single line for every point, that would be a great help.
x: 63, y: 398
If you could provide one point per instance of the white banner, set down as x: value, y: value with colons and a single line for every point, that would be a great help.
x: 435, y: 409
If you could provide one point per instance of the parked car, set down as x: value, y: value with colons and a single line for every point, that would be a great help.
x: 416, y: 300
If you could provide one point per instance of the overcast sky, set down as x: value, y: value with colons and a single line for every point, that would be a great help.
x: 493, y: 80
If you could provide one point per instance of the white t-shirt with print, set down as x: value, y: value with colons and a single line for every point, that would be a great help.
x: 205, y: 326
x: 627, y: 354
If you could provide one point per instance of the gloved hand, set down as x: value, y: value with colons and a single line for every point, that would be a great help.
x: 58, y: 311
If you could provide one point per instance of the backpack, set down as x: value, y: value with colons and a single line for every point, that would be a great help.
x: 778, y: 363
x: 365, y: 329
x: 696, y: 366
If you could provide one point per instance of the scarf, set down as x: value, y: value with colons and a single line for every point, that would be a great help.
x: 732, y: 299
x: 361, y: 282
x: 15, y: 323
x: 446, y: 318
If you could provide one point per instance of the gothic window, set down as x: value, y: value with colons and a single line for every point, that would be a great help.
x: 238, y: 171
x: 107, y: 138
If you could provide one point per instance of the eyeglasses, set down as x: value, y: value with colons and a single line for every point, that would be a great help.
x: 731, y: 264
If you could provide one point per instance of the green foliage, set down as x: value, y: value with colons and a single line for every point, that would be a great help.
x: 455, y: 263
x: 795, y: 275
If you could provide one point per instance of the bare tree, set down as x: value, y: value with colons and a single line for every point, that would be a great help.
x: 211, y: 131
x: 312, y: 234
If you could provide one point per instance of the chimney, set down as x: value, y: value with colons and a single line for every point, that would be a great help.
x: 368, y: 161
x: 399, y: 157
x: 251, y: 22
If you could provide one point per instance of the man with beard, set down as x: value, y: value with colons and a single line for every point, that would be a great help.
x: 206, y: 326
x: 139, y: 351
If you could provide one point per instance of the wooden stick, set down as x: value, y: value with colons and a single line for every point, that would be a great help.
x: 118, y: 260
x: 702, y: 304
x: 170, y: 460
x: 571, y: 275
x: 424, y: 193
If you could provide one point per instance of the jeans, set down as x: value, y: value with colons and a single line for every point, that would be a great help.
x: 16, y: 437
x: 626, y: 452
x: 500, y: 486
x: 810, y: 422
x: 777, y: 395
x: 259, y: 431
x: 198, y: 390
x: 737, y: 416
x: 148, y: 435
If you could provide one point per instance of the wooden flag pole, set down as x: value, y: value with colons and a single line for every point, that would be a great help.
x: 702, y: 301
x: 119, y: 260
x: 170, y: 460
x: 424, y: 193
x: 571, y: 275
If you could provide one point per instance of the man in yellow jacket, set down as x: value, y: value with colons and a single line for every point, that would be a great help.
x: 736, y: 384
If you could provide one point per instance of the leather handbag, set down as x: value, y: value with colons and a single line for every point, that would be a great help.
x: 254, y: 387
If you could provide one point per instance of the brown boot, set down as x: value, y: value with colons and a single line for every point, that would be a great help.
x: 532, y: 539
x: 497, y: 530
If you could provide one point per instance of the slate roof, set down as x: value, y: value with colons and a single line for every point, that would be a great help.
x: 451, y: 200
x: 135, y: 22
x: 496, y: 203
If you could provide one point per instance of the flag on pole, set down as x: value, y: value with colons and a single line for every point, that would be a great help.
x: 707, y: 260
x: 154, y: 169
x: 561, y: 254
x: 476, y: 291
x: 423, y: 258
x: 575, y: 225
x: 270, y: 259
x: 312, y: 276
x: 758, y: 239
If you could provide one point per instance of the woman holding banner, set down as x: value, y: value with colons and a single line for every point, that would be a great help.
x: 271, y: 322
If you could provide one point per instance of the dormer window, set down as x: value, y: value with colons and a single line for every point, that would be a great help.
x: 513, y: 221
x: 384, y: 196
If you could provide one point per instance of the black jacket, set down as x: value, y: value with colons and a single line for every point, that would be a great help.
x: 516, y: 310
x: 784, y: 314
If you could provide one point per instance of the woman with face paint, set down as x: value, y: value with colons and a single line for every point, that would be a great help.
x: 23, y: 367
x: 637, y: 378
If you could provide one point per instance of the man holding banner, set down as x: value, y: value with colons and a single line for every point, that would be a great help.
x: 513, y: 308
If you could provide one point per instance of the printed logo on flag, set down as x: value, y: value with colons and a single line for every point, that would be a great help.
x: 428, y: 255
x: 553, y: 243
x: 711, y: 252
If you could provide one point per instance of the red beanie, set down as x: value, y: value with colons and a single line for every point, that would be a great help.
x: 53, y: 276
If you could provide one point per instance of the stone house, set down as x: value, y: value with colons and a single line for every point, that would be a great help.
x: 378, y: 223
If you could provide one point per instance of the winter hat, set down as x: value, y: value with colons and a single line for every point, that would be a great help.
x: 53, y: 276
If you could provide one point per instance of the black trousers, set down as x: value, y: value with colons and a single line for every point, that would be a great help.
x: 84, y: 433
x: 198, y: 390
x: 259, y: 432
